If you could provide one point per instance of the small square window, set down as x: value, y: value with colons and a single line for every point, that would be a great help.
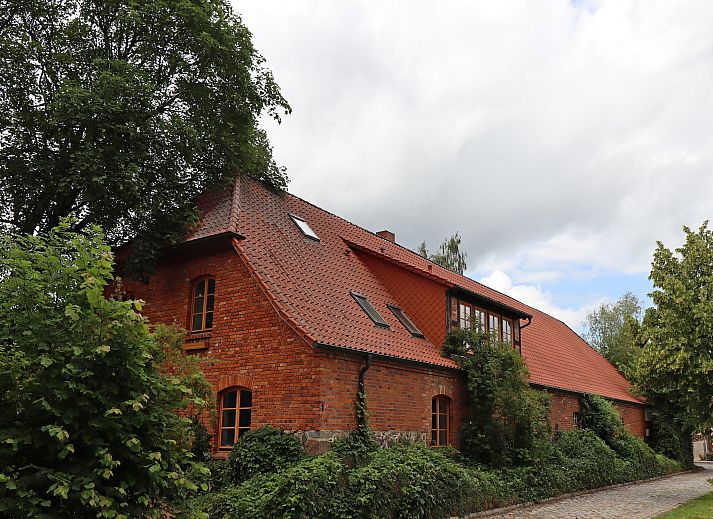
x: 370, y: 310
x: 304, y: 227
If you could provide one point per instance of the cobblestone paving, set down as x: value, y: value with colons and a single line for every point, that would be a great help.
x: 640, y: 501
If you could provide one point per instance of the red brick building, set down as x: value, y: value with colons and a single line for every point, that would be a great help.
x: 295, y: 304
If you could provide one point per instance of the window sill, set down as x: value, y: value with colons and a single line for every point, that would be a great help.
x: 221, y: 455
x: 197, y: 336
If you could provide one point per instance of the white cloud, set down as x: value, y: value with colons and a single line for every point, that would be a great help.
x: 554, y: 136
x: 534, y: 296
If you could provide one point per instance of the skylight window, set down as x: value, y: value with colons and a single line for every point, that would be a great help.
x: 403, y: 319
x: 304, y: 227
x: 370, y: 310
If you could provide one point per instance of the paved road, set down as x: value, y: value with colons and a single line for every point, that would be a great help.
x: 640, y: 501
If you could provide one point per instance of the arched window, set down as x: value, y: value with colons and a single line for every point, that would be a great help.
x: 235, y: 416
x: 203, y: 299
x: 440, y: 420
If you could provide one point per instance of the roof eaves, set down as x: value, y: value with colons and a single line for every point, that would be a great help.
x: 354, y: 350
x: 495, y: 302
x: 634, y: 400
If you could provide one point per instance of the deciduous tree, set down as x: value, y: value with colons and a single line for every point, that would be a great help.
x: 449, y: 254
x: 611, y: 329
x: 675, y: 368
x: 120, y: 112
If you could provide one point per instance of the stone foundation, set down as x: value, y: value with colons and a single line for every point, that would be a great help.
x: 319, y: 442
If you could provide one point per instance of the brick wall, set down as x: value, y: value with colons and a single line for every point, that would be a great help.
x: 634, y: 418
x: 562, y: 408
x: 252, y: 346
x: 398, y: 396
x: 563, y: 405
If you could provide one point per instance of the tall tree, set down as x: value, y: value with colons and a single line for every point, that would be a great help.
x: 611, y: 329
x: 675, y: 368
x: 120, y: 112
x: 449, y: 254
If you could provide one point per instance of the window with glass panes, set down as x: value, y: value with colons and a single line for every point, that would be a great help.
x: 235, y: 416
x: 439, y: 421
x: 203, y: 304
x: 494, y: 325
x: 479, y: 319
x: 464, y: 316
x: 507, y: 331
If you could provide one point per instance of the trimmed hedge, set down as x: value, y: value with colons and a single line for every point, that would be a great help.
x: 413, y: 481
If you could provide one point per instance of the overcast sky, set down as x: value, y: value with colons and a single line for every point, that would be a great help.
x: 560, y: 139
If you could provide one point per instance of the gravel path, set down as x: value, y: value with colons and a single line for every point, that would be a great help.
x: 639, y: 501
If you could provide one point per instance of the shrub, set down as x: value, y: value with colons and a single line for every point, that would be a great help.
x: 89, y: 424
x: 262, y: 451
x: 356, y: 447
x: 708, y: 456
x: 507, y: 416
x: 201, y: 444
x: 407, y: 481
x: 309, y: 488
x: 600, y: 416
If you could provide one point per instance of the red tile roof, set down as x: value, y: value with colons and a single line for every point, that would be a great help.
x: 310, y: 283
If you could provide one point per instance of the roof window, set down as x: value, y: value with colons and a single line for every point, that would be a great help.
x: 304, y: 227
x: 403, y: 319
x: 370, y: 310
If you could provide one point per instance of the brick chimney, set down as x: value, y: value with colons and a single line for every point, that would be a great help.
x: 387, y: 235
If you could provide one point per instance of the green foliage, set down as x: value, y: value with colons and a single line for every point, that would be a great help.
x: 120, y: 112
x: 449, y: 254
x: 708, y: 456
x: 201, y: 445
x: 412, y: 481
x: 675, y: 368
x: 262, y: 451
x: 506, y: 416
x: 307, y: 489
x: 89, y: 424
x: 671, y: 439
x: 356, y: 447
x: 612, y: 328
x: 599, y: 416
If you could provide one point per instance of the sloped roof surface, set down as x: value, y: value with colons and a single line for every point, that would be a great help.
x: 311, y: 281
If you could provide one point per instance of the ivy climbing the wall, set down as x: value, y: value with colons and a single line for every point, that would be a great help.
x: 507, y: 418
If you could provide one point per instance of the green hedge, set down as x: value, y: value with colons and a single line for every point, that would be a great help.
x: 413, y: 481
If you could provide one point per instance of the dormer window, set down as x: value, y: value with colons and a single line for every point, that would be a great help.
x: 403, y: 319
x: 304, y: 227
x: 370, y: 310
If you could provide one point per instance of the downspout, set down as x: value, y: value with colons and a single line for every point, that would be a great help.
x: 361, y: 418
x: 522, y: 326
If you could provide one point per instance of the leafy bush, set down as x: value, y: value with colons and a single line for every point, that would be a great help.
x: 201, y: 444
x: 262, y: 451
x: 89, y: 424
x: 412, y: 481
x: 672, y: 439
x: 600, y: 416
x: 356, y: 447
x: 507, y: 416
x: 708, y: 456
x: 309, y: 488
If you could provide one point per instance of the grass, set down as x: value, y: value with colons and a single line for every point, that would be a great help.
x: 701, y: 508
